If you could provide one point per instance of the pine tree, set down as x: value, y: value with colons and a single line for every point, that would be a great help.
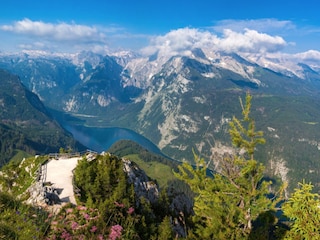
x: 165, y: 229
x: 303, y: 210
x: 226, y: 205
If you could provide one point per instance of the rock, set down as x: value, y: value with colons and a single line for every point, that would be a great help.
x: 143, y: 186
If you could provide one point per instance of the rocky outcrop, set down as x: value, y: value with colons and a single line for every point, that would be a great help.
x: 143, y: 186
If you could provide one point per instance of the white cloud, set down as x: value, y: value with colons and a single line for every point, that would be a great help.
x: 242, y: 36
x: 59, y: 32
x: 250, y: 41
x: 267, y: 25
x: 67, y: 37
x: 178, y: 41
x: 311, y: 55
x: 183, y: 40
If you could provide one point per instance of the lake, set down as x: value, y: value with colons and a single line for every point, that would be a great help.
x: 101, y: 139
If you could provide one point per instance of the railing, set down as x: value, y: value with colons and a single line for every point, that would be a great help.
x: 76, y: 190
x: 70, y: 155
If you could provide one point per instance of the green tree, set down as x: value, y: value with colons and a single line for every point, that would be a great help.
x: 165, y: 230
x: 226, y: 205
x: 303, y: 210
x: 62, y: 150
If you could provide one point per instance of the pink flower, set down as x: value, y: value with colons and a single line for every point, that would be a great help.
x: 86, y: 216
x: 74, y: 225
x: 69, y: 210
x: 119, y: 204
x: 93, y: 229
x: 115, y: 232
x: 100, y: 237
x: 66, y: 235
x: 81, y: 207
x: 130, y: 210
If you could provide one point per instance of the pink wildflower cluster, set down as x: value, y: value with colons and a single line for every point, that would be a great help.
x: 75, y: 223
x: 115, y: 233
x: 66, y: 235
x: 121, y: 205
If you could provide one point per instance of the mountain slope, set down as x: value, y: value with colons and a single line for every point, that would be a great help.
x: 25, y: 123
x: 189, y: 102
x: 99, y: 90
x: 185, y: 101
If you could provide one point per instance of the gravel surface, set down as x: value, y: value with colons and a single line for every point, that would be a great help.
x: 59, y: 173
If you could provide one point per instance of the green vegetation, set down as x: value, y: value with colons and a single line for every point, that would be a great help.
x: 303, y: 209
x: 18, y: 155
x: 227, y: 205
x: 17, y: 176
x: 21, y: 221
x: 25, y: 124
x: 104, y: 186
x: 155, y: 166
x: 236, y: 203
x: 161, y: 172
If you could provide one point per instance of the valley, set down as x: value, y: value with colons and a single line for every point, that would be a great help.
x: 180, y: 103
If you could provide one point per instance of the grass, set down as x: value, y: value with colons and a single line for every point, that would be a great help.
x: 20, y: 174
x: 158, y: 171
x: 19, y: 156
x: 21, y: 221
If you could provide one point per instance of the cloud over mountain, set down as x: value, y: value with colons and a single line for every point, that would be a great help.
x: 259, y: 36
x: 250, y: 41
x: 311, y: 55
x: 181, y: 41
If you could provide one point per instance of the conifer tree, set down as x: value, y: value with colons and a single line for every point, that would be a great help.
x: 303, y: 210
x: 165, y: 230
x: 226, y: 205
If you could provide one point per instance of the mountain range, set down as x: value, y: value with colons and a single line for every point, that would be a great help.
x: 184, y: 101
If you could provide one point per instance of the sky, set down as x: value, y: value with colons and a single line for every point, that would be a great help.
x: 148, y: 26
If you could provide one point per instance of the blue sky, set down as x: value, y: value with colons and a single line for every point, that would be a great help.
x: 102, y: 26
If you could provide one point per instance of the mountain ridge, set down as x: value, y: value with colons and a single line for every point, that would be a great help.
x: 26, y: 125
